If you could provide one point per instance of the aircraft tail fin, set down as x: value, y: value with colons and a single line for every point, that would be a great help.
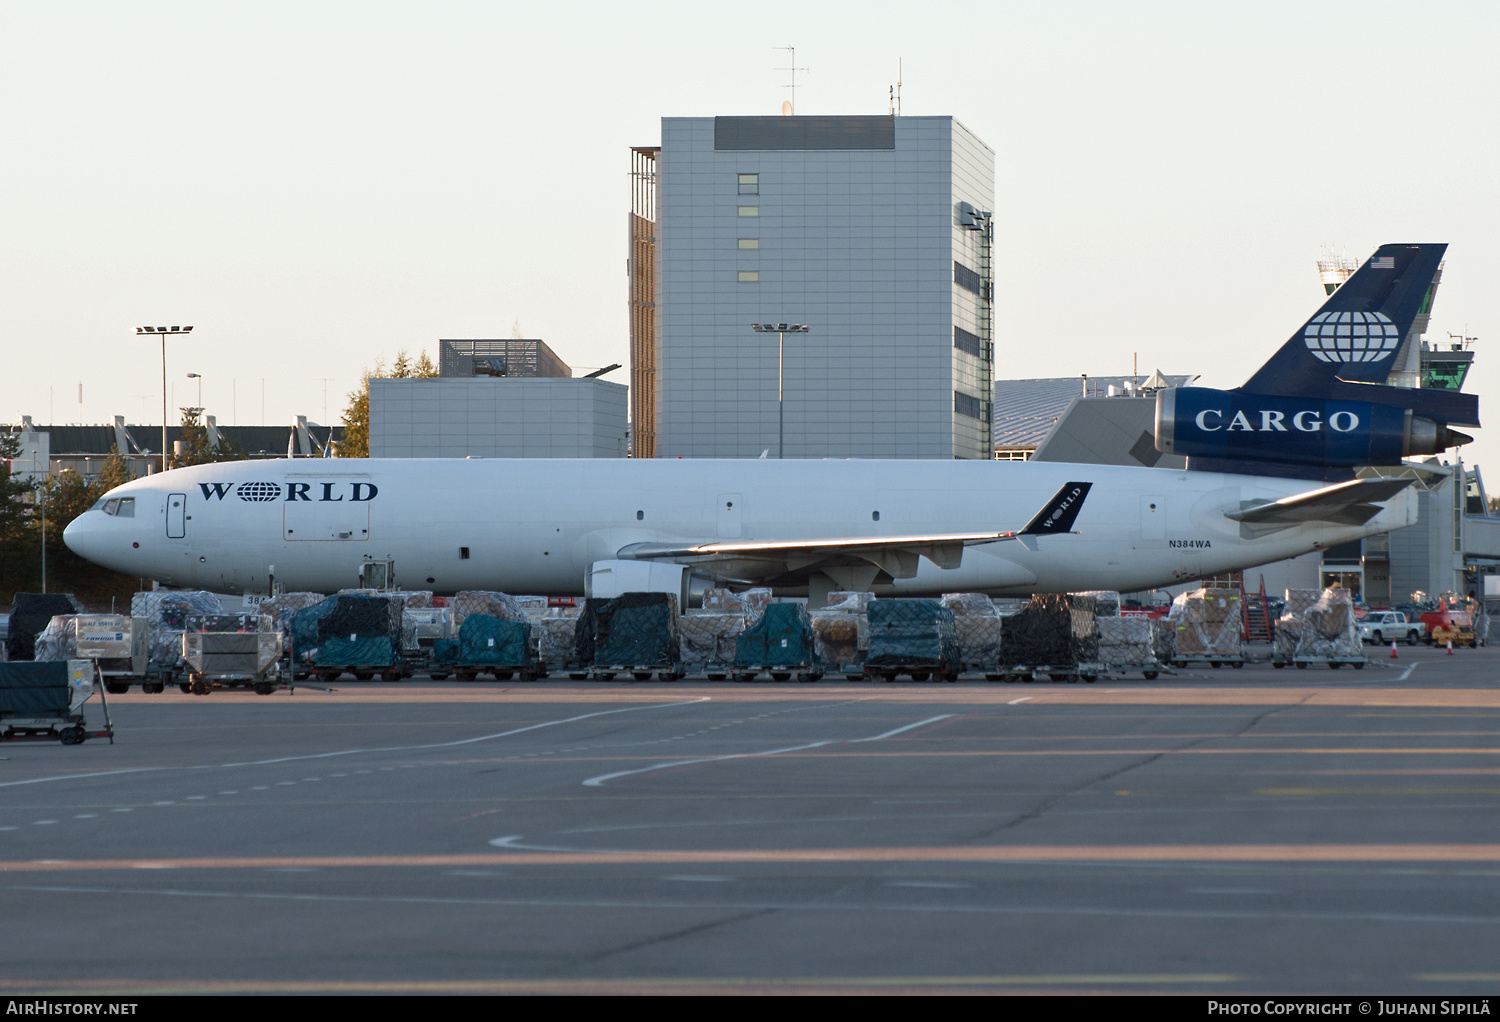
x: 1356, y: 333
x: 1059, y: 513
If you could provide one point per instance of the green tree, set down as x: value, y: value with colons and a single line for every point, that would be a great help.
x: 15, y: 510
x: 356, y: 442
x: 196, y: 449
x: 114, y: 472
x: 356, y: 417
x: 66, y: 496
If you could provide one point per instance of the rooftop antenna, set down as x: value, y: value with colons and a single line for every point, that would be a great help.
x: 790, y: 107
x: 898, y: 86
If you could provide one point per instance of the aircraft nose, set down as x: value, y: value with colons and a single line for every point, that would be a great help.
x: 82, y: 535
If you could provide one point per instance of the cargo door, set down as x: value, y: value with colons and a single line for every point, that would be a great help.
x: 176, y: 515
x: 319, y: 511
x: 1153, y: 518
x: 729, y: 515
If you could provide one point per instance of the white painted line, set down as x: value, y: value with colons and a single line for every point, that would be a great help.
x: 40, y: 823
x: 595, y: 782
x: 196, y: 798
x: 10, y: 828
x: 123, y: 809
x: 908, y: 727
x: 75, y: 777
x: 229, y: 793
x: 1018, y: 702
x: 467, y: 741
x: 1407, y: 673
x: 86, y: 816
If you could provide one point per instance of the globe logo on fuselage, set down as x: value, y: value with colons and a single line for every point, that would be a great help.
x: 259, y: 492
x: 1351, y: 336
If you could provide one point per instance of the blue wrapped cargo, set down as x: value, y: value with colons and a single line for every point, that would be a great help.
x: 914, y: 637
x: 780, y: 642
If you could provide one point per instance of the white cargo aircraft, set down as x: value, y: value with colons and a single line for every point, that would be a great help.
x: 604, y: 526
x: 553, y: 526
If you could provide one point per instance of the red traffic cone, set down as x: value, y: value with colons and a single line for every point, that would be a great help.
x: 1393, y: 649
x: 1450, y: 647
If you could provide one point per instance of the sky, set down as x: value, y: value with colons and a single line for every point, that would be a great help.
x: 318, y: 185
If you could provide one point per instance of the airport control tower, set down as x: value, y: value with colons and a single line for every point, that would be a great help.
x: 1418, y: 363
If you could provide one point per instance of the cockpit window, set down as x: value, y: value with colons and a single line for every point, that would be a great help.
x: 98, y: 504
x: 120, y: 507
x: 112, y: 506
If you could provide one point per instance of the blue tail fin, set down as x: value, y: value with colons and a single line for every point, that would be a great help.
x: 1356, y: 334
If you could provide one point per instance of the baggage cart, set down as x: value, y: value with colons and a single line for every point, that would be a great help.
x: 916, y: 638
x: 43, y: 701
x: 1052, y: 672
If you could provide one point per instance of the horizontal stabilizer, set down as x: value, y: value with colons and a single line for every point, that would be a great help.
x: 1347, y: 503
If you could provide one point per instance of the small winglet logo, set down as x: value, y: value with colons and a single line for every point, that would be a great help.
x: 1346, y: 337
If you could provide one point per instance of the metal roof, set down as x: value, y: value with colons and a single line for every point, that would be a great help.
x: 255, y: 441
x: 1026, y: 410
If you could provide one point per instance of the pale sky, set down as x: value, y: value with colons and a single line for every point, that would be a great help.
x: 315, y: 185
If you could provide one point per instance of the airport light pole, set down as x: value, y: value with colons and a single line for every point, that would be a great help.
x: 199, y: 378
x: 780, y: 330
x: 164, y: 332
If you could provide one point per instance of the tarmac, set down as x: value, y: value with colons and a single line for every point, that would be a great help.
x: 1209, y: 832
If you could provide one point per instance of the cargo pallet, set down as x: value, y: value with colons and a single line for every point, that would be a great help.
x: 778, y: 672
x: 1333, y: 662
x: 533, y: 671
x: 1149, y: 671
x: 1055, y: 672
x: 640, y: 672
x: 916, y: 672
x: 1235, y: 660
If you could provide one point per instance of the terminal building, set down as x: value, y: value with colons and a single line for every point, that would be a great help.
x: 873, y: 233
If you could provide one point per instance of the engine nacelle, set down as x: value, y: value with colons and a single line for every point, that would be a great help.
x: 1241, y: 426
x: 608, y: 579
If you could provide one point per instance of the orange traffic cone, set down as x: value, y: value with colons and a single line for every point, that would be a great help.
x: 1393, y: 649
x: 1450, y: 647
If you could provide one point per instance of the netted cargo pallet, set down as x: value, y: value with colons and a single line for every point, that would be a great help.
x: 912, y: 637
x: 634, y: 633
x: 708, y: 642
x: 1208, y: 625
x: 486, y: 644
x: 1054, y: 635
x: 976, y: 625
x: 841, y: 631
x: 780, y: 644
x: 1318, y: 628
x: 1128, y: 645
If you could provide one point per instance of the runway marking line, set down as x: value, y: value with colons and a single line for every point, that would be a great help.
x: 1483, y: 853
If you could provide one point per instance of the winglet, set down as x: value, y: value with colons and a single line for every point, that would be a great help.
x: 1058, y: 514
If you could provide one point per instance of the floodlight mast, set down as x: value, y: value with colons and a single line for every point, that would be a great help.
x: 780, y: 330
x: 164, y: 332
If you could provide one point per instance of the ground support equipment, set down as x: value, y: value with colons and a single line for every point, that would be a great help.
x: 43, y: 701
x: 1235, y: 660
x: 1148, y: 670
x: 1333, y: 662
x: 229, y: 651
x: 1052, y: 672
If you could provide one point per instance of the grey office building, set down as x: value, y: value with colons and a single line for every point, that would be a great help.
x: 873, y: 231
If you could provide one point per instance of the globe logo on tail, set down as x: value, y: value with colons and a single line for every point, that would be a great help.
x: 1351, y: 336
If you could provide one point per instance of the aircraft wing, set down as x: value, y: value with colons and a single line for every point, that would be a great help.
x: 895, y: 555
x: 1348, y: 503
